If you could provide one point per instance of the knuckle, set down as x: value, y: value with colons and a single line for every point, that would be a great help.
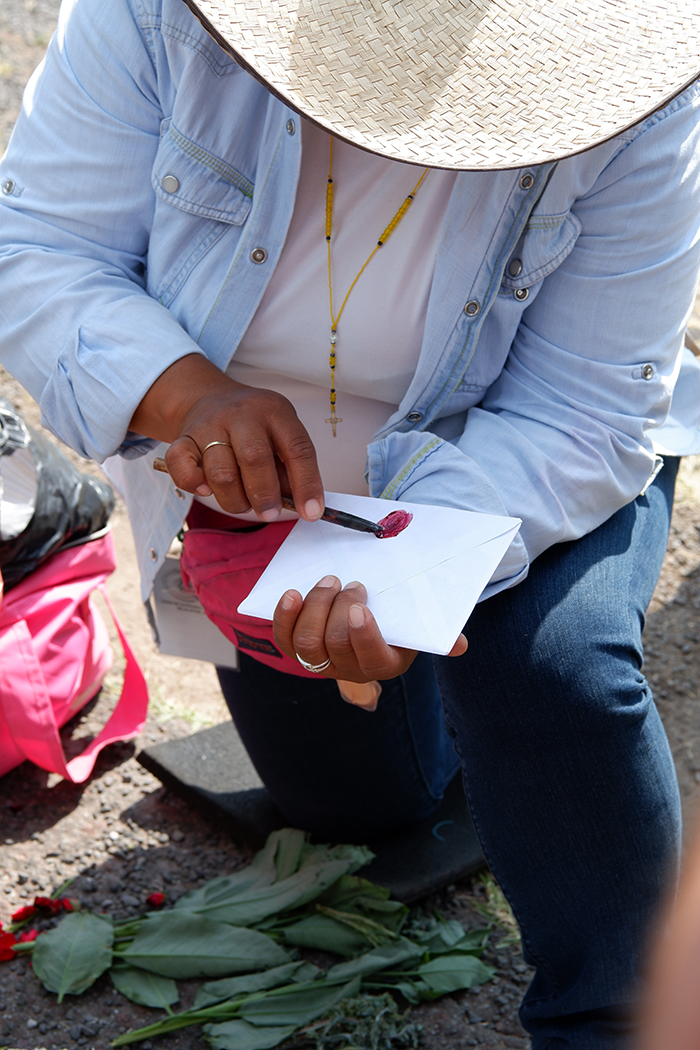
x: 221, y: 475
x: 180, y: 451
x: 301, y: 448
x: 254, y: 454
x: 307, y: 643
x: 338, y: 641
x: 182, y: 468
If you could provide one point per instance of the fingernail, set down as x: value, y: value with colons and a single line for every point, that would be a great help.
x: 349, y: 586
x: 287, y: 600
x: 312, y: 509
x: 356, y: 615
x: 327, y: 581
x: 270, y: 515
x: 204, y: 490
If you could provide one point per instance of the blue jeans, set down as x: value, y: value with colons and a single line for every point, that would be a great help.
x: 566, y: 766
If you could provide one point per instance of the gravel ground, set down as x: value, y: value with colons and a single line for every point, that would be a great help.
x: 121, y: 835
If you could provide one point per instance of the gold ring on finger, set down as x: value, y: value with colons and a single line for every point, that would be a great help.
x: 314, y: 668
x: 212, y: 443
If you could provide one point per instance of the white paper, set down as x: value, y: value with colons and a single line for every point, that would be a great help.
x: 422, y: 585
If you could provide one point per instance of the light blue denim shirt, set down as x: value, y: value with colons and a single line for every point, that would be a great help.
x: 554, y: 326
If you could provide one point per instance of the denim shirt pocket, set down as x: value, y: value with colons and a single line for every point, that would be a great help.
x: 199, y: 198
x: 545, y: 243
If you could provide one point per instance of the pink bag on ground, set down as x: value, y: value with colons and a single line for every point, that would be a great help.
x: 54, y: 654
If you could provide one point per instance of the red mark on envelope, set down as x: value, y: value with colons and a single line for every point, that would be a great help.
x: 395, y: 523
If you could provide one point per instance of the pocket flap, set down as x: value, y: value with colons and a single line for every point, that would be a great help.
x: 545, y: 243
x: 188, y: 177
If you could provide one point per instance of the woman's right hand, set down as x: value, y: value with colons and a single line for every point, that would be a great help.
x: 265, y: 450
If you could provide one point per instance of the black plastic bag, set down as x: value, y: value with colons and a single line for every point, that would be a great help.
x: 65, y: 505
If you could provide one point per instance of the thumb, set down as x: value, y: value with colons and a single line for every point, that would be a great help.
x: 460, y: 646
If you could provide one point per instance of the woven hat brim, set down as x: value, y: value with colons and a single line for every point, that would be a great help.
x: 465, y: 84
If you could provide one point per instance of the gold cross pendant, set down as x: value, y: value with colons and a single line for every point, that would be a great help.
x: 334, y: 420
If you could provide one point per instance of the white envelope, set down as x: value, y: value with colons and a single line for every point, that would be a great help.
x: 422, y: 585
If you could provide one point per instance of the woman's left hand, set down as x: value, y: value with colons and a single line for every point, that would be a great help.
x: 334, y: 623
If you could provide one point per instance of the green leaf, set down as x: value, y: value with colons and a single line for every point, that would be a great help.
x: 239, y: 1035
x: 299, y: 1006
x: 449, y: 936
x: 386, y: 957
x: 474, y: 941
x: 321, y: 932
x: 181, y: 945
x: 354, y: 894
x: 69, y: 958
x: 286, y: 873
x: 450, y: 973
x: 146, y: 989
x: 409, y: 990
x: 290, y: 852
x: 219, y: 991
x: 374, y: 932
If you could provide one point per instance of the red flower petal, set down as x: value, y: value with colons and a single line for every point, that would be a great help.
x: 27, y: 912
x: 43, y: 902
x: 67, y: 904
x: 27, y: 935
x: 7, y: 946
x: 156, y: 900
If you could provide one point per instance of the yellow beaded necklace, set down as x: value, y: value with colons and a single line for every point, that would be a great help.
x: 334, y: 420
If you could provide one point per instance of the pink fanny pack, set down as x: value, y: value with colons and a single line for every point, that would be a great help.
x: 222, y: 561
x: 54, y: 654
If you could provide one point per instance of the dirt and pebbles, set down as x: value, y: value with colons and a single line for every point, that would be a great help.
x: 122, y: 836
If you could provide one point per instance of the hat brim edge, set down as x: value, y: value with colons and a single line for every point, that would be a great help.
x: 219, y: 39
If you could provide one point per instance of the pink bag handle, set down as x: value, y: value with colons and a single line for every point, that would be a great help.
x: 31, y: 719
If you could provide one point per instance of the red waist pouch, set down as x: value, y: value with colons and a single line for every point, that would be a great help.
x: 221, y: 562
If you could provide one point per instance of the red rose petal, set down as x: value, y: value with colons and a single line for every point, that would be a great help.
x: 156, y: 900
x: 7, y: 946
x: 27, y: 912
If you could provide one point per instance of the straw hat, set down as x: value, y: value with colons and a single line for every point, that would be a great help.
x: 477, y: 84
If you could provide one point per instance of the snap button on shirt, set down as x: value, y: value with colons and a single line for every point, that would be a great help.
x: 291, y: 127
x: 526, y: 182
x: 170, y: 184
x: 472, y: 308
x: 8, y: 186
x: 515, y: 268
x: 414, y: 417
x: 521, y: 294
x: 647, y: 371
x: 258, y: 255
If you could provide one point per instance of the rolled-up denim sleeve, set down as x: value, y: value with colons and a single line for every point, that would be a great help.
x: 563, y: 437
x: 79, y: 330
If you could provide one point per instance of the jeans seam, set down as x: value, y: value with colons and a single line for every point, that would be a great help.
x: 416, y: 751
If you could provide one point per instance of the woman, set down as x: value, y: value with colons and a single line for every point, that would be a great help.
x: 175, y: 274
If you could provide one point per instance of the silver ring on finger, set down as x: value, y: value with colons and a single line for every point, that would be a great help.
x: 314, y: 668
x: 211, y: 444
